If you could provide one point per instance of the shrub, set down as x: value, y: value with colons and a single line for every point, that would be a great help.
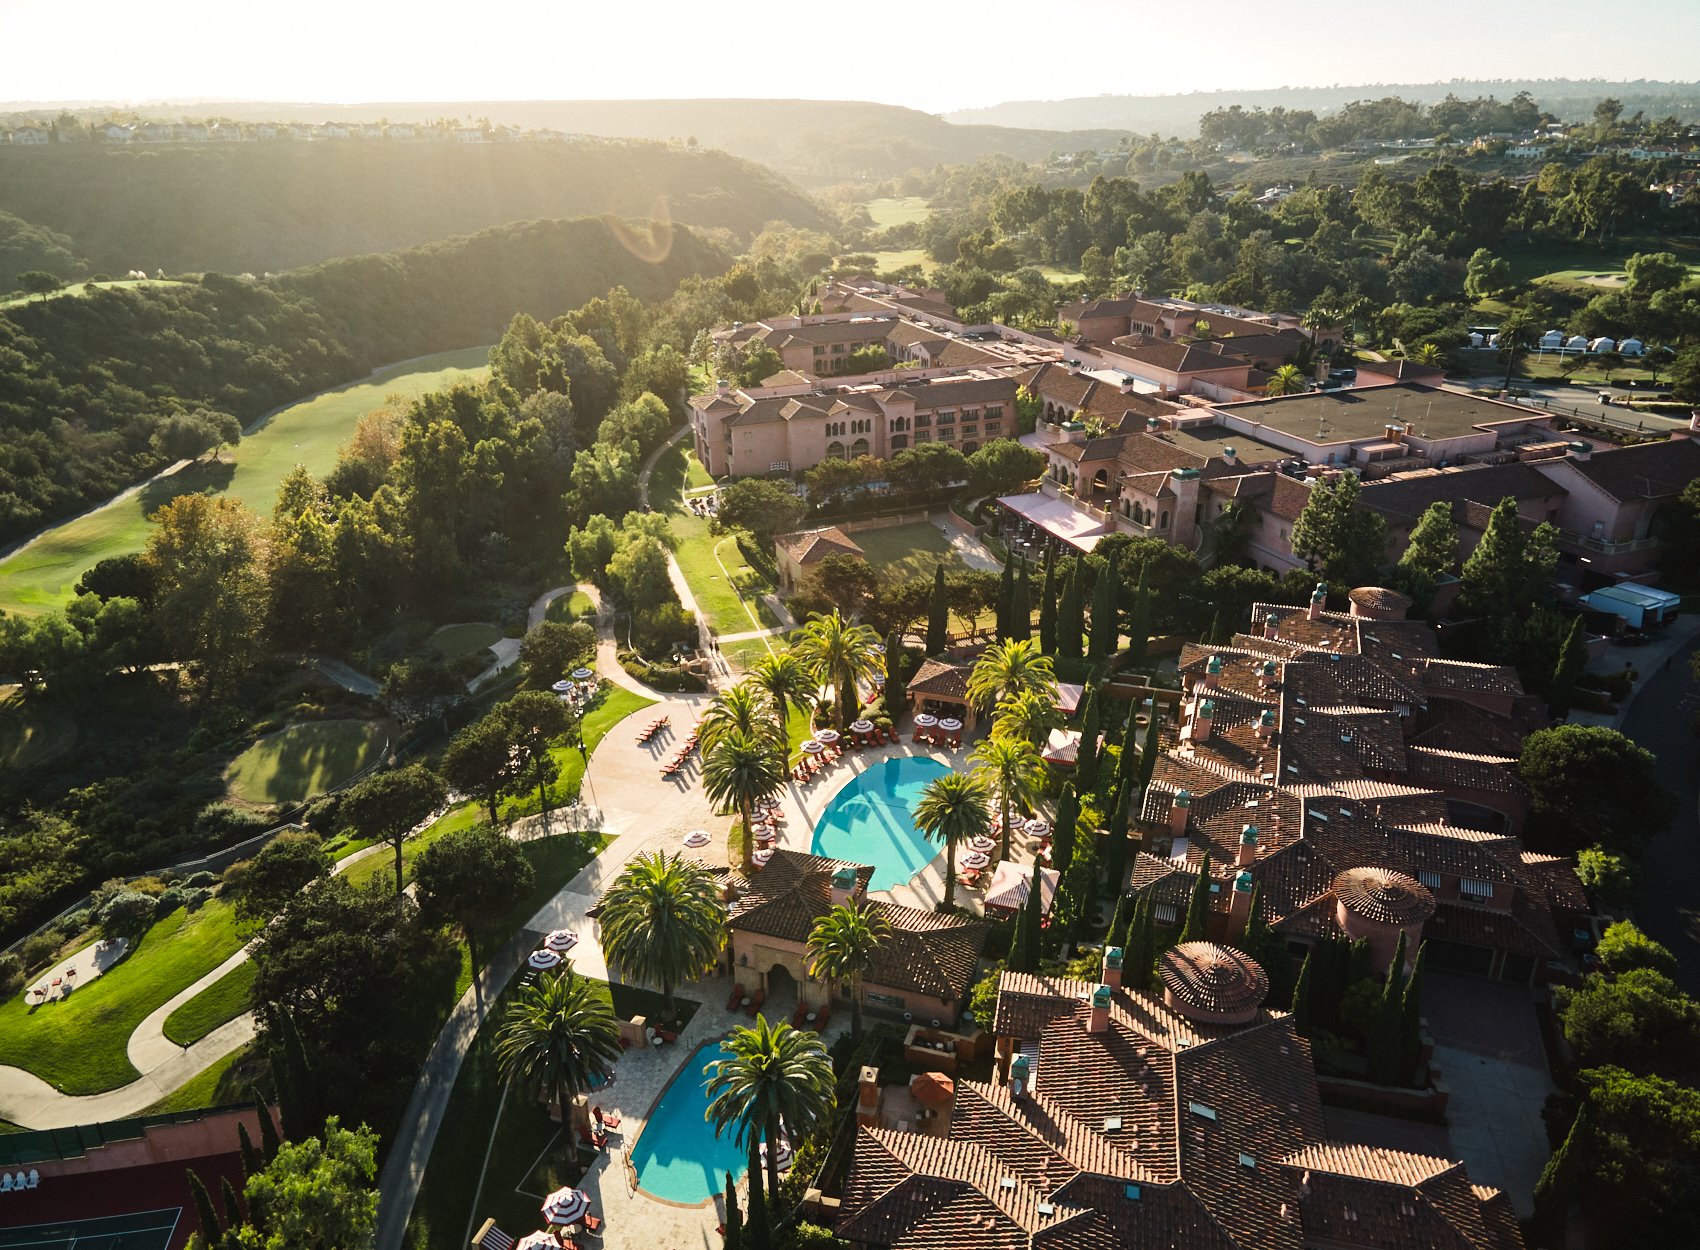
x: 127, y: 913
x: 200, y: 880
x: 1624, y: 947
x: 11, y: 974
x: 321, y: 815
x: 223, y: 824
x: 169, y: 902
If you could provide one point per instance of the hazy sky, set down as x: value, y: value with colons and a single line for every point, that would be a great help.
x: 934, y: 56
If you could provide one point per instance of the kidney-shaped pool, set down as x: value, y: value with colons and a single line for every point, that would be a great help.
x: 869, y: 821
x: 678, y: 1157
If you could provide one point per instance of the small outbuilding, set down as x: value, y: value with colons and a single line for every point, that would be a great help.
x: 797, y: 553
x: 1639, y: 606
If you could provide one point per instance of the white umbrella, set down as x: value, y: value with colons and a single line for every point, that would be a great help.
x: 976, y: 859
x: 537, y: 1241
x: 811, y: 747
x: 950, y: 723
x: 926, y: 720
x: 561, y: 940
x: 1036, y: 828
x: 782, y: 1154
x: 562, y: 687
x: 544, y: 958
x: 582, y: 674
x: 984, y: 845
x: 828, y: 736
x: 566, y: 1206
x: 861, y: 726
x: 697, y: 837
x: 762, y: 856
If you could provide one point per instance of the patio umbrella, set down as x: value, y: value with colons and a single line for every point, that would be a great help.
x: 566, y: 1206
x: 828, y: 736
x: 932, y: 1089
x: 543, y: 959
x: 1036, y: 828
x: 562, y: 687
x: 861, y: 726
x: 976, y: 859
x: 984, y: 845
x: 582, y: 674
x: 950, y: 724
x: 762, y: 856
x: 812, y: 747
x: 926, y: 720
x: 782, y: 1155
x: 697, y: 837
x: 561, y: 941
x: 539, y: 1240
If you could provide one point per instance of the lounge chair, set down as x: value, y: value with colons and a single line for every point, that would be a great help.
x: 738, y: 996
x: 800, y: 1015
x: 593, y: 1225
x: 756, y: 1000
x: 823, y: 1015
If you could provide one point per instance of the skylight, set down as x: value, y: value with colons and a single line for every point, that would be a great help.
x: 1112, y: 1123
x: 1246, y: 1161
x: 1201, y: 1111
x: 1132, y: 1191
x: 1047, y: 1208
x: 1007, y: 1182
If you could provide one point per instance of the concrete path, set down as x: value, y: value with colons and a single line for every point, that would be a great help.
x: 165, y: 1067
x: 349, y: 678
x: 970, y: 549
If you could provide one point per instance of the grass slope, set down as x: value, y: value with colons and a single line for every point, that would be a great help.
x: 221, y: 1002
x: 304, y: 761
x: 32, y: 736
x: 78, y: 1045
x: 453, y: 641
x: 898, y: 210
x: 230, y: 1081
x: 308, y: 433
x: 77, y: 288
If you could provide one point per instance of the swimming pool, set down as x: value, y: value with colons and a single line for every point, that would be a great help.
x: 677, y: 1157
x: 868, y: 821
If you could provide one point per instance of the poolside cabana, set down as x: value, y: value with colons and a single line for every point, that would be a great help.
x: 940, y: 689
x: 1069, y: 695
x: 1007, y: 894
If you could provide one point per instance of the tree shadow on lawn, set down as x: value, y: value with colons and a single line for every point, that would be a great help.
x: 211, y: 477
x: 306, y: 763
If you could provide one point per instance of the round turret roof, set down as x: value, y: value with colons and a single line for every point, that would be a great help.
x: 1384, y: 896
x: 1381, y: 599
x: 1212, y: 983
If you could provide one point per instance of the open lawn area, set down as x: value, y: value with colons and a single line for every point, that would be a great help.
x: 79, y: 288
x: 78, y: 1044
x: 222, y: 1001
x: 1592, y: 268
x: 885, y: 262
x: 726, y: 587
x: 304, y: 761
x: 569, y: 608
x: 902, y: 552
x: 30, y: 737
x: 898, y: 210
x: 453, y: 641
x: 677, y: 470
x: 229, y: 1081
x: 42, y: 575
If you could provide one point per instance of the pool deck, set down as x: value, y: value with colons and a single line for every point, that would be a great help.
x: 646, y: 814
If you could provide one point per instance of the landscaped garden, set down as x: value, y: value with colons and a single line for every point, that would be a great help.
x: 451, y: 642
x: 304, y: 761
x: 220, y: 1003
x: 726, y: 586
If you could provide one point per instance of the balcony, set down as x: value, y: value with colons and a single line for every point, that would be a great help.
x: 1606, y: 546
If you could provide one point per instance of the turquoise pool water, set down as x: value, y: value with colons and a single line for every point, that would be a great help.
x: 677, y: 1156
x: 868, y: 821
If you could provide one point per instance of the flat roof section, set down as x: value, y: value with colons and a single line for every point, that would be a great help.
x: 1058, y: 518
x: 1352, y: 415
x: 1212, y: 440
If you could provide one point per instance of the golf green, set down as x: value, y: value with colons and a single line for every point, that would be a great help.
x: 303, y: 761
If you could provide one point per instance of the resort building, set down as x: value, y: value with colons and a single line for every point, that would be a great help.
x: 1118, y: 1118
x: 795, y: 554
x: 1327, y: 745
x: 923, y: 970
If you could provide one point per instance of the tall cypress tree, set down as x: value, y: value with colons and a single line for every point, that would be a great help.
x: 1197, y: 926
x: 1139, y: 620
x: 756, y: 1230
x: 1104, y: 594
x: 1383, y: 1046
x: 896, y: 693
x: 297, y: 1084
x: 1129, y: 766
x: 232, y: 1204
x: 1145, y: 942
x: 938, y: 616
x: 1086, y: 759
x: 1152, y: 749
x: 1556, y: 1189
x: 1411, y: 1021
x: 252, y: 1161
x: 734, y: 1235
x: 1121, y: 923
x: 1301, y: 996
x: 268, y: 1127
x: 1027, y: 937
x: 204, y: 1209
x: 1021, y: 614
x: 1063, y: 831
x: 1071, y: 614
x: 1115, y: 853
x: 1572, y: 659
x: 1006, y: 598
x: 1048, y: 606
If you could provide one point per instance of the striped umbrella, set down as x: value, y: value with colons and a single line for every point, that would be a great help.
x: 696, y: 838
x: 561, y: 940
x: 537, y: 1241
x: 828, y: 736
x: 762, y: 856
x: 984, y: 845
x: 544, y: 958
x: 976, y: 859
x: 562, y: 687
x: 566, y: 1206
x: 582, y: 674
x: 782, y: 1155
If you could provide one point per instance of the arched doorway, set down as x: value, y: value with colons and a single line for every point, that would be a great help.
x: 779, y: 981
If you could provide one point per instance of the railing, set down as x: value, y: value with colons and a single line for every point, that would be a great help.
x: 1606, y: 546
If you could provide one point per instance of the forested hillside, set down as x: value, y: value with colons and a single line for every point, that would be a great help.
x: 24, y: 247
x: 89, y: 383
x: 259, y: 207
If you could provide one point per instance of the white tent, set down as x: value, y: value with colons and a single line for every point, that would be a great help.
x: 1008, y: 891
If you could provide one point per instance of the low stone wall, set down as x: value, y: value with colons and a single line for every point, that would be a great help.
x: 1411, y: 1104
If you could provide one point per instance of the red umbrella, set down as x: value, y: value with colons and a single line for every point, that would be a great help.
x: 933, y: 1089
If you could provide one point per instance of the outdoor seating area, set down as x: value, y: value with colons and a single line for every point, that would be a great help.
x: 654, y: 727
x: 930, y: 730
x: 86, y: 965
x: 677, y: 761
x: 566, y: 1215
x: 578, y: 687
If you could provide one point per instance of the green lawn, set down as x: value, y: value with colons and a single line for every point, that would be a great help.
x: 902, y: 552
x: 78, y: 1045
x: 308, y: 433
x: 885, y: 262
x: 696, y: 477
x: 555, y: 861
x: 898, y: 210
x: 221, y: 1002
x: 706, y: 560
x: 453, y: 641
x: 78, y: 288
x: 304, y: 760
x: 570, y: 608
x: 31, y: 736
x: 231, y: 1080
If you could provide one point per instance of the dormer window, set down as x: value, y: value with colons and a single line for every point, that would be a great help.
x: 1201, y: 1111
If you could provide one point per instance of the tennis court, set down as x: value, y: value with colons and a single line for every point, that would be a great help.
x: 143, y: 1230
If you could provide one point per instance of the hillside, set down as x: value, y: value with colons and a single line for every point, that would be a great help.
x: 815, y: 141
x: 258, y: 207
x: 1178, y: 114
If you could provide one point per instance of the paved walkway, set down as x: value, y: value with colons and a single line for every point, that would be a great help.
x: 972, y: 552
x: 1651, y: 661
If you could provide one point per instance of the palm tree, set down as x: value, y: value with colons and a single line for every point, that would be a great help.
x: 952, y: 809
x: 842, y: 947
x: 1514, y: 333
x: 787, y: 682
x: 841, y: 655
x: 663, y: 922
x: 1010, y: 669
x: 1429, y: 354
x: 741, y: 709
x: 1029, y: 717
x: 1287, y: 380
x: 1227, y: 534
x: 776, y: 1075
x: 1014, y: 771
x: 740, y: 770
x: 559, y: 1035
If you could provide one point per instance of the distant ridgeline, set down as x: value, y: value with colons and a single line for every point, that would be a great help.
x: 258, y: 207
x: 86, y: 380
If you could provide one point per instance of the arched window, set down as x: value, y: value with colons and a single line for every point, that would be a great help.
x: 969, y: 448
x: 858, y: 448
x: 835, y: 451
x: 1100, y: 480
x: 1164, y: 523
x: 899, y: 442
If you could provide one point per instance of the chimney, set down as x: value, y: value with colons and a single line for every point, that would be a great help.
x: 1202, y: 717
x: 868, y: 1098
x: 1318, y: 601
x: 1248, y: 846
x: 1239, y: 907
x: 1272, y: 626
x: 1018, y: 1076
x: 1152, y: 425
x: 1099, y: 1021
x: 1580, y: 450
x: 1212, y: 673
x: 1268, y: 674
x: 1230, y: 456
x: 843, y: 886
x: 1178, y: 808
x: 1393, y: 432
x: 1266, y: 723
x: 1113, y: 966
x: 723, y: 386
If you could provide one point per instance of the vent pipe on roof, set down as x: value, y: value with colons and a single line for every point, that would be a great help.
x: 1248, y: 846
x: 1018, y: 1070
x: 1113, y: 966
x: 1272, y: 626
x: 1179, y: 806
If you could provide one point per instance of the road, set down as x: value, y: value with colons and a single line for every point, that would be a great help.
x: 1659, y: 719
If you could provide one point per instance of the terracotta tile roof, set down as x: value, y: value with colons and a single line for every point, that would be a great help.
x: 1380, y: 598
x: 1212, y: 978
x: 1648, y: 471
x: 1383, y: 896
x: 936, y: 677
x: 786, y: 896
x: 1453, y: 725
x: 1557, y: 876
x: 1526, y: 930
x: 1461, y: 675
x: 813, y: 546
x: 844, y: 330
x: 1472, y: 772
x: 1173, y: 356
x: 928, y: 953
x: 1405, y: 498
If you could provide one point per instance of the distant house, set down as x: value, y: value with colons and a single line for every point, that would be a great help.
x: 371, y: 131
x: 32, y: 135
x: 154, y: 132
x: 265, y: 130
x: 469, y: 134
x: 112, y: 132
x: 195, y: 132
x: 332, y: 130
x: 227, y: 132
x: 299, y: 131
x: 399, y: 132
